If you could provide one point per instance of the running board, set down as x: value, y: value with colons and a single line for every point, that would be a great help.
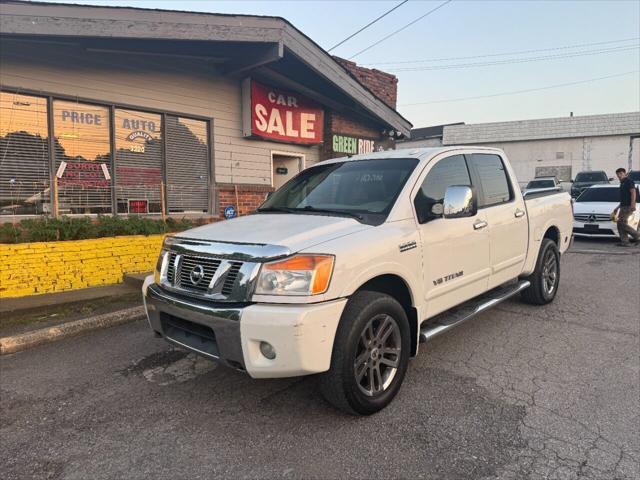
x: 452, y: 318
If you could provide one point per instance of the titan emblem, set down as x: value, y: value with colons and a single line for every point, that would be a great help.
x: 197, y: 274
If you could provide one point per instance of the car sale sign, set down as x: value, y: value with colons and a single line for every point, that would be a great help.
x: 274, y: 114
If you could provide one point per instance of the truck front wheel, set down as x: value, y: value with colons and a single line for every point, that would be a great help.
x: 370, y: 354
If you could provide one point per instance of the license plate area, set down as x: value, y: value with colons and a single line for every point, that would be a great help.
x: 591, y: 227
x: 190, y: 334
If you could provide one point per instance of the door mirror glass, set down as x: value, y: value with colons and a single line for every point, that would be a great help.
x: 460, y: 201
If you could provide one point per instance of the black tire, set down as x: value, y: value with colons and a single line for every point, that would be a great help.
x: 339, y: 385
x: 539, y: 293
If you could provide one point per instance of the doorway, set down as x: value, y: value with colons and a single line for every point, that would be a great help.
x: 284, y: 167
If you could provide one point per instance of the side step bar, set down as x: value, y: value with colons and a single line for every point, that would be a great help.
x: 452, y: 318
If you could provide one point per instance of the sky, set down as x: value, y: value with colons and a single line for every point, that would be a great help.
x: 607, y: 33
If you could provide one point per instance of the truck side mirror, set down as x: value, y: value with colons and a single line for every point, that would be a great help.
x: 460, y: 201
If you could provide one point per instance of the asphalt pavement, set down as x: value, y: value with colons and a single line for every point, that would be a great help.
x: 520, y: 392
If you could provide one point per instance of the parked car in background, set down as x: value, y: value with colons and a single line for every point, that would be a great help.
x: 635, y: 176
x: 592, y: 212
x: 541, y: 184
x: 351, y: 264
x: 584, y: 180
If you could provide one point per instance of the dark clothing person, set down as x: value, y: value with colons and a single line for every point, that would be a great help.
x: 626, y: 210
x: 626, y: 186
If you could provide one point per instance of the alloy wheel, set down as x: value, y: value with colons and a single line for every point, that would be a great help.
x: 378, y: 355
x: 550, y: 272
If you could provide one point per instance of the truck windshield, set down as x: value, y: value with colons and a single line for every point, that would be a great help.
x: 591, y: 177
x: 362, y: 189
x: 600, y: 195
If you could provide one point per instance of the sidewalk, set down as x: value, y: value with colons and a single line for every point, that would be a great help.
x: 31, y: 321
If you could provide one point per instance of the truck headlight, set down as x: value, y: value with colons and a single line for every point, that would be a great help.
x: 298, y: 275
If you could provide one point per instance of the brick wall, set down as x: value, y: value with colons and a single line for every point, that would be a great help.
x: 46, y: 267
x: 336, y: 123
x: 382, y: 84
x: 249, y: 197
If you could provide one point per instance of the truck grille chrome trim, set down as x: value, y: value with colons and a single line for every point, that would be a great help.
x: 209, y: 277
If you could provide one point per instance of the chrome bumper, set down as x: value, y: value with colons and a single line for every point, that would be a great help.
x: 212, y: 331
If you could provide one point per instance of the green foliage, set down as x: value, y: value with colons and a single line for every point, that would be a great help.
x: 47, y: 229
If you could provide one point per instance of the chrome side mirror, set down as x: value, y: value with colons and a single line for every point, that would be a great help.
x: 460, y: 201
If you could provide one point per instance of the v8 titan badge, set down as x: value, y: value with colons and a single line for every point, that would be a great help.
x: 230, y: 212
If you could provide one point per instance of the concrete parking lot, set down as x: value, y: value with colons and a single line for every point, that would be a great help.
x: 519, y: 393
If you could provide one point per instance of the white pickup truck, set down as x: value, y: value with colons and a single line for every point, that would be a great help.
x: 353, y: 263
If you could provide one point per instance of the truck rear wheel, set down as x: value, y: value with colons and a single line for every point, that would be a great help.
x: 370, y: 354
x: 546, y: 277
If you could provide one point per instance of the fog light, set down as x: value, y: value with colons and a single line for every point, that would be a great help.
x: 267, y: 350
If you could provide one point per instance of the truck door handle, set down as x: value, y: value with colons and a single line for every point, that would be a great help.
x: 519, y: 213
x: 478, y: 224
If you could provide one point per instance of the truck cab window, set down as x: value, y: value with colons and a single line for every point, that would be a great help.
x: 493, y: 179
x: 448, y: 171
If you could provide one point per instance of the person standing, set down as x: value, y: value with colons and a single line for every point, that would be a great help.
x: 627, y: 206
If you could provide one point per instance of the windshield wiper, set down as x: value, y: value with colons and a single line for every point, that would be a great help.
x: 277, y: 209
x: 310, y: 208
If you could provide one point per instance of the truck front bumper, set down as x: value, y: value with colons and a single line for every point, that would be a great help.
x: 301, y: 334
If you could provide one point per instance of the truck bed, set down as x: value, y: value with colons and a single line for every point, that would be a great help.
x: 545, y: 209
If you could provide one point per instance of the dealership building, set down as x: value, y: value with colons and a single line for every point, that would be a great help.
x: 108, y: 110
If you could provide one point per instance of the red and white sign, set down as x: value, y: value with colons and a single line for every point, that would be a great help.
x: 276, y: 114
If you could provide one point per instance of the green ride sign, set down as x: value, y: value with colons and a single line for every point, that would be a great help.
x: 353, y: 145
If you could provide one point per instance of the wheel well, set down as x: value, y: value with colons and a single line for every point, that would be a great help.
x: 396, y: 287
x: 552, y: 233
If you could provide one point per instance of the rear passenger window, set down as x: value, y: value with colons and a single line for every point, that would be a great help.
x: 493, y: 179
x: 448, y: 171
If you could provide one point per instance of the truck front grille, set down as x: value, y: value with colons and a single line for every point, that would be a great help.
x: 186, y: 267
x: 232, y: 277
x: 214, y: 278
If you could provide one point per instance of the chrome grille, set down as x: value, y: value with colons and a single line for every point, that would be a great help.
x: 232, y: 277
x: 186, y: 265
x: 171, y: 271
x: 220, y: 279
x: 592, y: 217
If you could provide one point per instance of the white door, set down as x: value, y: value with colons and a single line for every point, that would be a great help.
x: 505, y: 213
x: 285, y: 167
x: 455, y: 251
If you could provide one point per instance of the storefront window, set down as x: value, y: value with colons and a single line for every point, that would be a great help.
x: 24, y: 155
x: 153, y: 166
x: 138, y: 160
x: 83, y: 157
x: 187, y: 164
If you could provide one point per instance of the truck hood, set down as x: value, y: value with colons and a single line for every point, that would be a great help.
x: 296, y: 232
x: 594, y: 207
